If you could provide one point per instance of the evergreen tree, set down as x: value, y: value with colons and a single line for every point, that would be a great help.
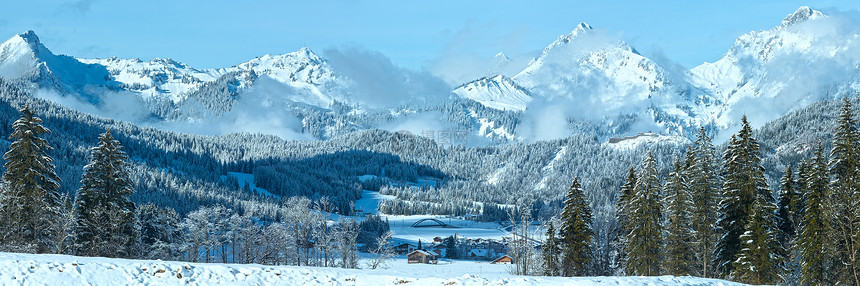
x: 759, y: 259
x: 644, y: 242
x: 160, y: 232
x: 30, y: 202
x: 451, y: 248
x: 104, y: 214
x: 679, y: 260
x: 785, y: 213
x: 704, y: 188
x: 845, y: 197
x: 788, y: 225
x: 622, y: 229
x: 575, y: 232
x: 551, y: 252
x: 744, y: 178
x: 801, y: 184
x: 813, y: 240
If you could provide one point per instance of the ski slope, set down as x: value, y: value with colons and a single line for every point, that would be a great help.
x: 49, y: 269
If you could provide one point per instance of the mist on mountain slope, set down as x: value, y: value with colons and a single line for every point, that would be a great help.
x: 822, y: 66
x: 589, y: 77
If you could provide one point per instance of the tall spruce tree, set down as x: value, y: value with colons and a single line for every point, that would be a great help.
x: 551, y: 252
x: 704, y: 188
x: 744, y: 178
x: 679, y: 258
x: 451, y: 247
x: 575, y: 232
x: 759, y: 259
x: 30, y: 203
x: 788, y: 226
x: 845, y: 197
x: 644, y: 242
x: 622, y: 229
x: 104, y: 214
x: 801, y: 183
x: 784, y: 213
x: 813, y: 239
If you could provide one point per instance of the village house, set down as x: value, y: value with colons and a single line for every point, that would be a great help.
x: 480, y: 254
x: 404, y: 248
x: 503, y: 260
x: 421, y: 256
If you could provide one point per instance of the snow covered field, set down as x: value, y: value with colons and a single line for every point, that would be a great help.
x: 249, y: 179
x: 47, y: 269
x: 369, y: 202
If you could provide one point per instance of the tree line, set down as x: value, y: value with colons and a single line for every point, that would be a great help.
x: 102, y: 220
x: 718, y: 218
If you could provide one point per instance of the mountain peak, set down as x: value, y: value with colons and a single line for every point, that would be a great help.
x: 30, y: 37
x: 583, y: 26
x: 802, y: 14
x: 26, y: 41
x: 580, y: 29
x: 308, y: 53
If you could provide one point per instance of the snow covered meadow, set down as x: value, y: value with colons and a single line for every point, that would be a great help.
x: 47, y: 269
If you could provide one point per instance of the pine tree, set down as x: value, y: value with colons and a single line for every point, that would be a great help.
x: 787, y: 194
x: 104, y: 214
x: 30, y: 204
x: 845, y: 196
x: 575, y: 233
x: 679, y: 260
x: 451, y: 247
x: 704, y: 188
x: 644, y: 242
x: 160, y: 232
x: 787, y: 218
x: 622, y: 229
x: 744, y: 178
x: 759, y: 259
x: 801, y: 183
x: 551, y: 252
x: 813, y: 240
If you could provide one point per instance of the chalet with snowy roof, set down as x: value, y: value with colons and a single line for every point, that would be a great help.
x: 479, y: 253
x: 422, y: 256
x: 404, y: 248
x: 503, y: 260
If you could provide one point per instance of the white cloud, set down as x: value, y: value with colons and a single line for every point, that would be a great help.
x: 376, y: 82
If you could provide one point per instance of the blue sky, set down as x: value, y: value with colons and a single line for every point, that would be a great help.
x: 413, y: 34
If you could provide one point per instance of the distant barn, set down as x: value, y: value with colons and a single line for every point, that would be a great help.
x: 422, y: 256
x: 503, y: 260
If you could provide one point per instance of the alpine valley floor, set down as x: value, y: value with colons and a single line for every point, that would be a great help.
x: 47, y: 269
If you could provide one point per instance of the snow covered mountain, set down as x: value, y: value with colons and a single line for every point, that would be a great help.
x: 597, y: 78
x: 24, y: 57
x: 499, y: 92
x: 293, y: 95
x: 765, y: 74
x: 808, y: 57
x: 584, y: 82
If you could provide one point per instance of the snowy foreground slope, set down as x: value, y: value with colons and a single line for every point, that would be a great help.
x: 29, y: 269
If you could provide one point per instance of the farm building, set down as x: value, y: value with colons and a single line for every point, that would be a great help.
x: 404, y: 248
x: 503, y: 260
x: 421, y: 256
